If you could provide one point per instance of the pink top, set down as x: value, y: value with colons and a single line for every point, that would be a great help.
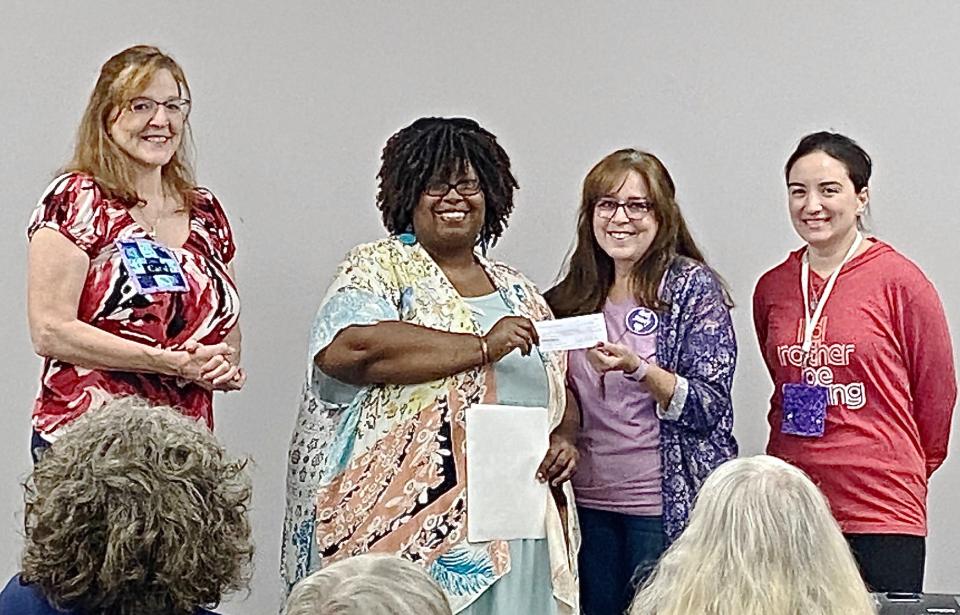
x: 619, y: 442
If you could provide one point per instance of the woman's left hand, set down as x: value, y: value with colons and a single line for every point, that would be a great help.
x: 560, y: 462
x: 222, y: 372
x: 607, y: 357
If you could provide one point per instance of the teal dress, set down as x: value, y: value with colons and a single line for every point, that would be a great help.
x: 521, y: 381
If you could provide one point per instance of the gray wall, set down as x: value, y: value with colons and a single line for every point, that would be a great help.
x: 294, y: 101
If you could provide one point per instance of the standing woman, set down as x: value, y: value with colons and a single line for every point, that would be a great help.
x: 657, y: 412
x: 856, y: 341
x: 130, y: 286
x: 414, y: 329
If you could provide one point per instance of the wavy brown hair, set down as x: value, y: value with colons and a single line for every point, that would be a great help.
x: 137, y: 510
x: 95, y: 153
x: 589, y: 271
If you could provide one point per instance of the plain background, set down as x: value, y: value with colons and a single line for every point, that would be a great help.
x: 293, y: 102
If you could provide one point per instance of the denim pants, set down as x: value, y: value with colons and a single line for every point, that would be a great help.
x: 615, y: 548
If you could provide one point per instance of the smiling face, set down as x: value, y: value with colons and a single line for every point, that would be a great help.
x: 625, y: 240
x: 151, y: 140
x: 824, y: 205
x: 451, y: 222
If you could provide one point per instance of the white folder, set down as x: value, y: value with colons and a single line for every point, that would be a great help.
x: 505, y: 446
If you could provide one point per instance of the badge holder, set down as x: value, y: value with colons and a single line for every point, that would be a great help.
x: 804, y: 410
x: 152, y: 267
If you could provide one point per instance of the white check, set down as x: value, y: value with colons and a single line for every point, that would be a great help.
x: 571, y: 333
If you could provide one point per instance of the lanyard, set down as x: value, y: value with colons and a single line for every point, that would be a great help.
x: 810, y: 321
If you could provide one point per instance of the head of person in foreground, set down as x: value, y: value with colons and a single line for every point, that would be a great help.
x: 761, y: 540
x: 369, y: 584
x: 137, y: 510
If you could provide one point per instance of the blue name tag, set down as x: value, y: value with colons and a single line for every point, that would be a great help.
x: 152, y: 267
x: 804, y: 410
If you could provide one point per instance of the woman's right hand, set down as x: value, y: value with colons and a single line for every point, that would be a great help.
x: 510, y: 333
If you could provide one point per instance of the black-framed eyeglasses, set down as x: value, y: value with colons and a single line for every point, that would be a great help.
x: 464, y: 187
x: 635, y: 209
x: 141, y: 106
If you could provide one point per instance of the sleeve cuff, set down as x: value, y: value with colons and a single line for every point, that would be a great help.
x: 675, y: 407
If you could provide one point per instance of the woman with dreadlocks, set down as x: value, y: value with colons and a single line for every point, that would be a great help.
x: 414, y: 329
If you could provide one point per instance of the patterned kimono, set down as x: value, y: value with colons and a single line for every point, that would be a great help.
x: 382, y: 467
x: 696, y: 341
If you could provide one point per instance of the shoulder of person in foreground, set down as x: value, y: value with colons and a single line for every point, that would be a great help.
x: 19, y: 598
x: 384, y: 252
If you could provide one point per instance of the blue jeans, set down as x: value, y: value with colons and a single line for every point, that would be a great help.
x: 615, y: 547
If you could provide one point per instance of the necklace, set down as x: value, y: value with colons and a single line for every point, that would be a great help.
x: 151, y: 227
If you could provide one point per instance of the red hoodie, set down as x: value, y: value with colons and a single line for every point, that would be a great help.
x: 882, y: 348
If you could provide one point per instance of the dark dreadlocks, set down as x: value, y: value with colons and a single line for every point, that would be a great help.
x: 438, y: 147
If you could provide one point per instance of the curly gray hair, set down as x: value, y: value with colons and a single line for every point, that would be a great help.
x: 137, y: 509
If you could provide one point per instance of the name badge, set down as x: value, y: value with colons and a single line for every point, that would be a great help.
x: 804, y: 410
x: 152, y: 267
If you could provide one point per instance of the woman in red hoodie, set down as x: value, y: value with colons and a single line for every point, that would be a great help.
x: 856, y: 341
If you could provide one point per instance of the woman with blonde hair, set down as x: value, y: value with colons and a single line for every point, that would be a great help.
x: 761, y: 540
x: 131, y: 287
x: 369, y: 584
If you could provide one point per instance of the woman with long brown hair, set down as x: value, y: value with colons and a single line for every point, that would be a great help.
x: 131, y: 287
x: 657, y: 415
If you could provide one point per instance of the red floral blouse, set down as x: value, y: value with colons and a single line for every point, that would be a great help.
x: 74, y: 206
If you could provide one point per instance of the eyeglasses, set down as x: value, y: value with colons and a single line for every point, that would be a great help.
x: 176, y: 108
x: 464, y: 187
x: 635, y: 209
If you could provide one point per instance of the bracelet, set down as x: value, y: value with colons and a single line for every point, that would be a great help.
x: 484, y: 351
x: 640, y: 373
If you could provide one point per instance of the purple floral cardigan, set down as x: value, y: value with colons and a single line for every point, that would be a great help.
x: 695, y: 341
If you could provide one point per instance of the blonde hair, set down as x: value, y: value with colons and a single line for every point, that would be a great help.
x: 369, y: 584
x: 761, y: 541
x: 95, y: 153
x: 137, y: 510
